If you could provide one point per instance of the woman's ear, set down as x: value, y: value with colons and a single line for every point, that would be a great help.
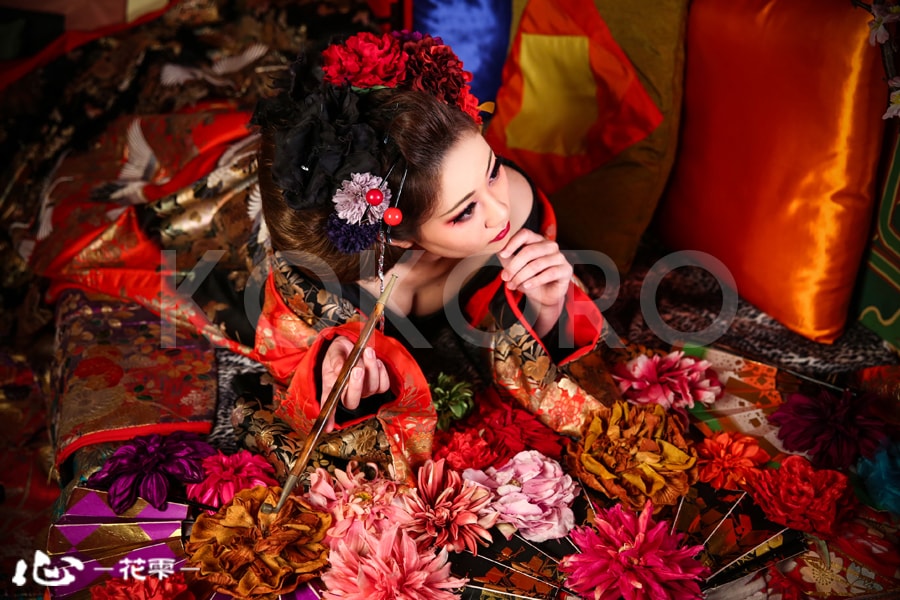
x: 405, y: 244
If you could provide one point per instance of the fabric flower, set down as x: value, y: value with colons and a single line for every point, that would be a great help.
x: 148, y: 465
x: 532, y: 494
x: 893, y: 109
x: 227, y: 475
x: 468, y: 448
x: 388, y: 567
x: 348, y: 238
x: 881, y: 477
x: 801, y: 497
x: 509, y: 429
x: 672, y: 381
x: 365, y: 60
x: 446, y: 511
x: 321, y: 146
x: 878, y: 33
x: 434, y: 68
x: 833, y: 430
x: 635, y: 452
x: 172, y: 587
x: 247, y: 553
x: 727, y: 459
x: 632, y: 557
x: 350, y: 200
x: 355, y: 503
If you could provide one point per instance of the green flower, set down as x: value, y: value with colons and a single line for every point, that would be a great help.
x: 453, y: 400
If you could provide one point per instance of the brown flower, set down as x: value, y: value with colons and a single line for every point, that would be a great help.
x: 246, y: 553
x: 633, y: 453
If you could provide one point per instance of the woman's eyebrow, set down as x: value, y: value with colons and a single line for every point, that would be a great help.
x: 472, y: 193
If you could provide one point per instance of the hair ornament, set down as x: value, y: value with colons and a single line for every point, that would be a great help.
x: 324, y: 147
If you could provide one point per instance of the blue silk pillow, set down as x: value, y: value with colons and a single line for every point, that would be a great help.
x: 477, y: 30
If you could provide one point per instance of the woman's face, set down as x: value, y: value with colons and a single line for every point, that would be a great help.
x: 471, y: 216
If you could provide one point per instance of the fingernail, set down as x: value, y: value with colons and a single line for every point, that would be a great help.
x: 357, y: 373
x: 370, y: 353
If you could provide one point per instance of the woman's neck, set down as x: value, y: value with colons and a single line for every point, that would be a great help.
x: 422, y: 280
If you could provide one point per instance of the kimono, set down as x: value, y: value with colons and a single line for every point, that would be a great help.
x: 299, y: 317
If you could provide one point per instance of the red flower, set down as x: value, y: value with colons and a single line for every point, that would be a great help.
x: 172, y: 587
x: 365, y: 60
x: 728, y: 459
x: 510, y: 429
x: 469, y: 104
x: 465, y: 449
x: 435, y: 68
x: 802, y: 497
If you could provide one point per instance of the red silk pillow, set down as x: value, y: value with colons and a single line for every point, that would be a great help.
x: 781, y: 137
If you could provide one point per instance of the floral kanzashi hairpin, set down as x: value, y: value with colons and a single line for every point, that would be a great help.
x: 360, y: 205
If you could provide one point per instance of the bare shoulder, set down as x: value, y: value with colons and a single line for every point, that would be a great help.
x: 521, y: 199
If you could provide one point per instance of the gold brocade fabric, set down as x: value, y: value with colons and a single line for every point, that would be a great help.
x: 775, y: 175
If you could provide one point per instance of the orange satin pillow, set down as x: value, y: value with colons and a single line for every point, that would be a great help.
x: 781, y: 138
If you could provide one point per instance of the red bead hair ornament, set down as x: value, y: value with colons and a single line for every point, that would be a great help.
x: 393, y: 216
x: 374, y: 197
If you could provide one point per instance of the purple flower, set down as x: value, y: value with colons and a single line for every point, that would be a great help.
x: 533, y: 496
x: 350, y: 200
x: 348, y: 238
x: 834, y: 430
x: 147, y: 465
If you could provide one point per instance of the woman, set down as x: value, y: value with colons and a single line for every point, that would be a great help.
x: 381, y: 151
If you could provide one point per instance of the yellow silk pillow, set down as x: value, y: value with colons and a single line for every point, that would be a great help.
x: 781, y: 136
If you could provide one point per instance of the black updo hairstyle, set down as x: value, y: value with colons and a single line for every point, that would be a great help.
x: 315, y: 134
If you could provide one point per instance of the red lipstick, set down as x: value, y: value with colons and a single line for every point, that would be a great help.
x: 502, y: 234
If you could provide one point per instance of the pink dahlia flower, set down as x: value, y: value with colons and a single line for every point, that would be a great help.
x: 387, y: 567
x: 672, y: 381
x: 446, y: 511
x: 355, y: 503
x: 533, y: 496
x: 632, y: 557
x: 226, y: 475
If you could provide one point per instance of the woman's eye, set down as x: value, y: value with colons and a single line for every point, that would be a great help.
x: 495, y: 172
x: 465, y: 214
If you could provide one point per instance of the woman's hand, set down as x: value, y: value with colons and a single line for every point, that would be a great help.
x: 367, y: 378
x: 536, y: 266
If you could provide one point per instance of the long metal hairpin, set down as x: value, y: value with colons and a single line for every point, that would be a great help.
x: 385, y: 237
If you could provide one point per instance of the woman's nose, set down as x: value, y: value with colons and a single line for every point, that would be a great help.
x: 497, y: 211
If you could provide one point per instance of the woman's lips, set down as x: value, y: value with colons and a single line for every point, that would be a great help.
x: 502, y: 234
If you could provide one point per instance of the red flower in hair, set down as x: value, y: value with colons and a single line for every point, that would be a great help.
x: 435, y: 68
x: 365, y: 60
x: 469, y: 104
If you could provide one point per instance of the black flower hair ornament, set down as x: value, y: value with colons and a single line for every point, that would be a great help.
x: 323, y: 148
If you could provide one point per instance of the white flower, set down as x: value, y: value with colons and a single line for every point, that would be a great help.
x: 350, y: 200
x: 878, y: 33
x: 894, y: 107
